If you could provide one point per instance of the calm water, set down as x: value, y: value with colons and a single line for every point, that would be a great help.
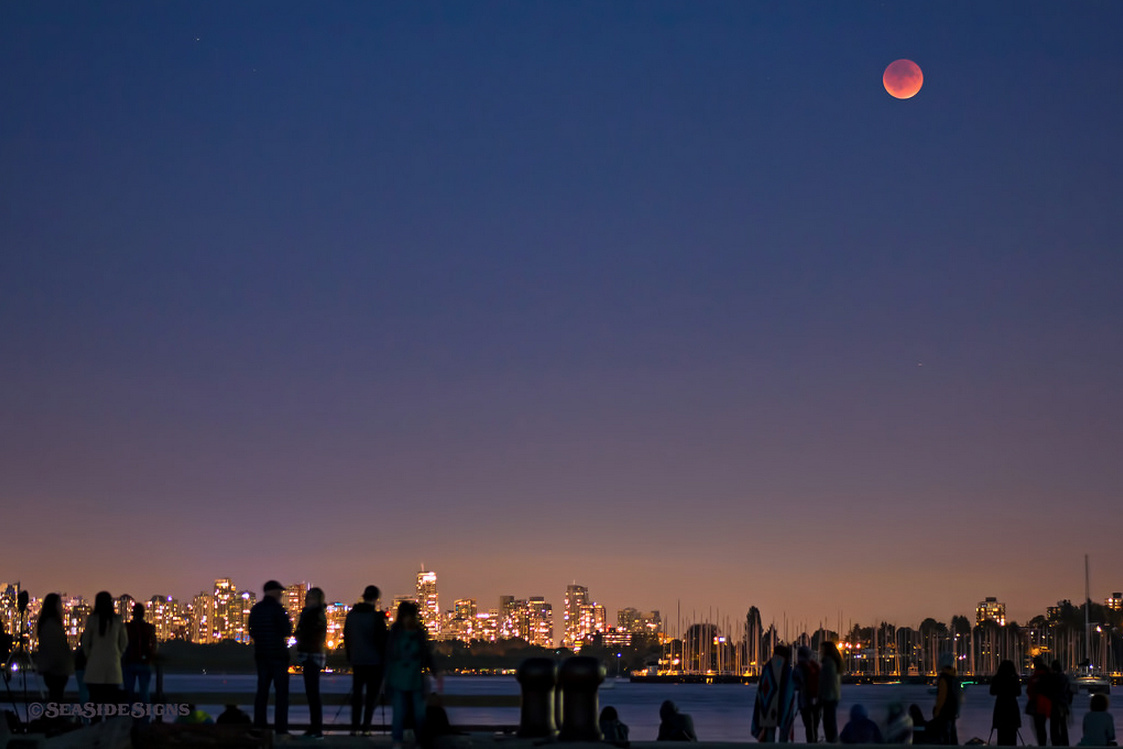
x: 721, y: 712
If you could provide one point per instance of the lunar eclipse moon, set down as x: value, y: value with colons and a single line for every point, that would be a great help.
x: 903, y: 79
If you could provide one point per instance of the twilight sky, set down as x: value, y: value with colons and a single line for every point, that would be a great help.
x: 670, y: 299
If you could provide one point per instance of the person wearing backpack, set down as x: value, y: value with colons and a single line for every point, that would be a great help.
x: 805, y: 675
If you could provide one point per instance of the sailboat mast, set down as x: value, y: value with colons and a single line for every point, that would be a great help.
x: 1087, y: 621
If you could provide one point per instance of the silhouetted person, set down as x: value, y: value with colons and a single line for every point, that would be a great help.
x: 233, y: 716
x: 1006, y: 686
x: 830, y: 688
x: 54, y: 658
x: 270, y: 627
x: 408, y: 657
x: 806, y: 678
x: 311, y: 634
x: 139, y: 656
x: 1062, y: 705
x: 860, y: 729
x: 673, y: 725
x: 942, y: 728
x: 613, y: 729
x: 898, y: 727
x: 104, y: 641
x: 364, y: 640
x: 774, y: 708
x: 920, y: 733
x: 1099, y: 726
x: 1039, y: 692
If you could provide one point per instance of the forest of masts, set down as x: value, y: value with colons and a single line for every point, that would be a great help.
x: 887, y: 650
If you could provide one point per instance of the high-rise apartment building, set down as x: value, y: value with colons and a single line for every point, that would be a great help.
x: 293, y: 599
x: 1114, y: 602
x: 427, y: 602
x: 990, y: 610
x: 576, y: 596
x: 540, y: 622
x: 202, y: 618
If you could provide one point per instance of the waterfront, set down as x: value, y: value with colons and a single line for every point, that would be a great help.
x: 721, y: 712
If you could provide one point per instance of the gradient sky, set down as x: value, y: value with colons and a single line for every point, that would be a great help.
x: 670, y: 299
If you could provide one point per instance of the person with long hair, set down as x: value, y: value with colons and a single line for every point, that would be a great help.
x: 54, y: 658
x: 103, y: 642
x: 830, y: 688
x: 1006, y: 686
x: 311, y: 634
x: 408, y: 656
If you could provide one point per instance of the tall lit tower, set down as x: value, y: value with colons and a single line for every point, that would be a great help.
x: 427, y: 602
x: 576, y: 596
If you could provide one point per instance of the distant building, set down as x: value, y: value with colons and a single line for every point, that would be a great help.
x: 293, y: 599
x: 990, y: 610
x: 1114, y: 602
x: 540, y: 622
x: 202, y: 619
x: 337, y: 616
x: 428, y: 603
x: 576, y: 596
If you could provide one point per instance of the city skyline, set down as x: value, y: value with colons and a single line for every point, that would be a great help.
x: 670, y: 299
x: 988, y: 607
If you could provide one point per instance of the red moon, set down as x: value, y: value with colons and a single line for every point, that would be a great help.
x: 903, y: 79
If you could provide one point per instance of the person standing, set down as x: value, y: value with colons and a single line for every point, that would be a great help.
x: 948, y: 694
x: 54, y: 659
x: 1062, y: 705
x: 407, y: 658
x: 270, y: 627
x: 806, y: 677
x: 774, y: 708
x: 311, y: 634
x: 1006, y: 686
x: 139, y: 656
x: 830, y: 688
x: 1040, y: 699
x: 103, y: 642
x: 364, y: 641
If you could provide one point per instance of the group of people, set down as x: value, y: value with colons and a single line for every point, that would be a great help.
x: 116, y: 657
x: 395, y: 659
x: 113, y: 656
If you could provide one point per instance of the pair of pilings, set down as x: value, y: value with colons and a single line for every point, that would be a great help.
x: 569, y: 692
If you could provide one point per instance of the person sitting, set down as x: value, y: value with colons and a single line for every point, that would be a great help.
x: 614, y: 730
x: 860, y: 729
x: 233, y: 716
x: 919, y: 725
x: 673, y: 725
x: 1099, y: 726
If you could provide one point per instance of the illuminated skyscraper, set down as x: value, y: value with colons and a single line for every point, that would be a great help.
x: 202, y: 618
x: 991, y: 610
x: 1114, y: 602
x: 576, y: 596
x: 227, y: 610
x: 427, y: 602
x: 161, y: 614
x: 293, y: 599
x: 540, y: 622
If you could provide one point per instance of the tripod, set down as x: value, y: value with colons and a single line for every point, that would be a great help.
x: 19, y: 663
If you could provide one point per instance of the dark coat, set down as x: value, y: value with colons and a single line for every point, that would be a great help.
x: 364, y: 635
x: 1006, y: 690
x: 270, y: 628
